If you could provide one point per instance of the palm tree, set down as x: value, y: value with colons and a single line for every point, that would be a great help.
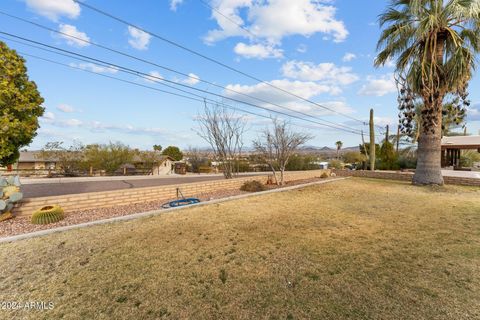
x: 339, y: 145
x: 452, y: 119
x: 434, y: 43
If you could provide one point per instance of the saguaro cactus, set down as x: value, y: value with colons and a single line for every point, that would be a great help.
x: 372, y: 142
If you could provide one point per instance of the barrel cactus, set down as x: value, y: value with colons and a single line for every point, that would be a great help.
x: 48, y: 214
x: 9, y: 195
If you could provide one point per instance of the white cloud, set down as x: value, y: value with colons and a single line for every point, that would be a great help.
x: 53, y: 9
x: 382, y: 121
x: 275, y: 19
x: 192, y: 79
x: 79, y: 38
x: 138, y: 39
x: 307, y: 90
x: 390, y: 63
x: 174, y: 4
x: 97, y: 126
x: 155, y: 76
x: 95, y: 68
x: 302, y: 48
x: 349, y: 57
x: 72, y: 123
x: 473, y: 113
x: 304, y: 89
x: 51, y: 119
x: 379, y: 86
x: 66, y: 108
x: 325, y: 72
x: 259, y: 51
x: 48, y: 116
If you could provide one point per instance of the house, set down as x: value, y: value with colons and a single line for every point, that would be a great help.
x: 166, y: 165
x: 452, y: 149
x: 322, y: 165
x: 32, y: 163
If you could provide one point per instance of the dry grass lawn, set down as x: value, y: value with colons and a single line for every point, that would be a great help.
x: 354, y: 249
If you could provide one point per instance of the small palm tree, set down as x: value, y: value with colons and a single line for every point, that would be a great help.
x: 339, y: 145
x: 434, y: 43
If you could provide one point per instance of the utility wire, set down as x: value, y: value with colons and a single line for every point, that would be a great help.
x: 206, y: 4
x: 199, y: 99
x: 151, y: 78
x: 203, y: 56
x: 171, y: 69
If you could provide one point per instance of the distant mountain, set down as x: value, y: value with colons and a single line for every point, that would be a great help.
x: 325, y: 151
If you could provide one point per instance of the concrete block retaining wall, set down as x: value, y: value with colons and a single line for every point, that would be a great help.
x: 404, y: 176
x: 85, y: 201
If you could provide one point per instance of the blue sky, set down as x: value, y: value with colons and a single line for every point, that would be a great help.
x: 320, y: 50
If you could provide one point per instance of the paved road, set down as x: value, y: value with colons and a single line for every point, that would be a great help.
x: 461, y: 174
x: 63, y: 188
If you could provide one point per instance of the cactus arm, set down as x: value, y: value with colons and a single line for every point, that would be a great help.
x: 15, y: 197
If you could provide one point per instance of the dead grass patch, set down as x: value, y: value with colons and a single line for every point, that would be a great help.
x: 354, y: 249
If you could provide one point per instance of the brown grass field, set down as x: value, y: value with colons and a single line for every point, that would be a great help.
x: 353, y: 249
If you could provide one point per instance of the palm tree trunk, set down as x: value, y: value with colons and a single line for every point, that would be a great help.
x: 429, y: 162
x: 429, y: 170
x: 429, y: 154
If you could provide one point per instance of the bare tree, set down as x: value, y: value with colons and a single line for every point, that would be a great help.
x: 278, y: 144
x: 223, y: 130
x: 196, y: 158
x: 69, y: 160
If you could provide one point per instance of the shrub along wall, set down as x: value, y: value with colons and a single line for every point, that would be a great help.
x: 404, y: 176
x: 85, y: 201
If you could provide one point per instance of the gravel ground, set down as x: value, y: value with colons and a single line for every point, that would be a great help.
x: 21, y: 225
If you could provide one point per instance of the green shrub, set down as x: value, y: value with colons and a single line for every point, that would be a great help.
x: 48, y: 214
x: 205, y: 169
x: 302, y: 162
x: 335, y: 164
x: 468, y: 158
x: 388, y: 158
x: 407, y: 159
x: 253, y: 186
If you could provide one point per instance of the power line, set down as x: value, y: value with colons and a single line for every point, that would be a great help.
x: 203, y: 56
x: 227, y: 17
x: 255, y: 36
x: 171, y: 69
x: 200, y: 99
x: 161, y: 80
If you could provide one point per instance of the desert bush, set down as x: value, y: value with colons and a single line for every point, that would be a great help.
x: 354, y: 157
x: 324, y: 175
x: 468, y: 158
x: 388, y: 158
x: 301, y: 163
x: 335, y: 164
x: 253, y: 186
x: 407, y: 158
